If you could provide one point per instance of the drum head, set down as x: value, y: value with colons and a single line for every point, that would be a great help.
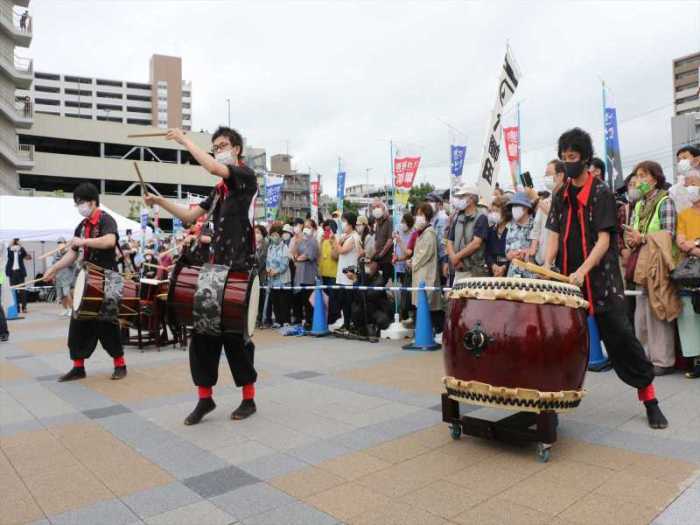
x: 253, y: 304
x: 79, y: 289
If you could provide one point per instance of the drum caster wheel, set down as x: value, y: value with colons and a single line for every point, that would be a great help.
x: 543, y: 452
x: 455, y: 430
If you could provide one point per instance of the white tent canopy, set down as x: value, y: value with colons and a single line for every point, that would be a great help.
x: 48, y: 218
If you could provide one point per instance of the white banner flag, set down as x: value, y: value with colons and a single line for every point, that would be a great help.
x: 491, y: 159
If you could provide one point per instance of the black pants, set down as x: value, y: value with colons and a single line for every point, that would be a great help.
x: 302, y: 307
x: 387, y: 270
x: 3, y: 320
x: 83, y: 337
x: 267, y: 318
x: 624, y: 349
x: 280, y: 305
x: 345, y: 296
x: 205, y: 353
x: 333, y: 302
x: 16, y: 277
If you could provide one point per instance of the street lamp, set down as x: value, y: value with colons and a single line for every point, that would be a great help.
x: 228, y: 102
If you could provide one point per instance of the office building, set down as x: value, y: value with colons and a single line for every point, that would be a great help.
x: 296, y: 192
x: 686, y: 86
x: 163, y: 102
x: 16, y: 73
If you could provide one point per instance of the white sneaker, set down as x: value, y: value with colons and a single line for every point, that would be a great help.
x: 68, y: 312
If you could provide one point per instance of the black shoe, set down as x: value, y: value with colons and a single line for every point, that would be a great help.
x: 73, y: 374
x: 246, y: 409
x: 4, y: 337
x: 307, y: 326
x: 119, y: 372
x: 663, y: 370
x: 204, y: 406
x: 655, y: 417
x: 693, y: 373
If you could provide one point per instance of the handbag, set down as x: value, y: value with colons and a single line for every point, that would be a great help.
x: 687, y: 273
x: 631, y: 265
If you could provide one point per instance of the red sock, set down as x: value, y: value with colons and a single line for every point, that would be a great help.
x: 119, y: 361
x: 647, y: 393
x: 248, y: 391
x: 79, y: 363
x: 205, y: 391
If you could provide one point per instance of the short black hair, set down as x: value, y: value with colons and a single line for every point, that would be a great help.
x: 408, y: 219
x: 695, y: 152
x: 86, y: 192
x: 350, y: 218
x: 598, y: 163
x: 576, y: 140
x: 232, y: 135
x: 298, y: 220
x: 261, y: 228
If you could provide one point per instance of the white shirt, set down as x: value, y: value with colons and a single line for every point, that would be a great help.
x: 348, y: 259
x: 15, y: 257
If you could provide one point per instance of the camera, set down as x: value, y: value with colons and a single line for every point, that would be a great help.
x: 350, y: 269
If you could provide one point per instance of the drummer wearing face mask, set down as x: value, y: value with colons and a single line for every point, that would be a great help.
x: 96, y: 236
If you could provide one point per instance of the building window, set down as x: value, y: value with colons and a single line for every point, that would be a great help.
x: 687, y: 74
x: 79, y: 80
x: 138, y: 110
x: 77, y: 92
x: 134, y: 85
x: 686, y: 99
x: 142, y: 98
x: 104, y: 94
x: 186, y: 105
x: 47, y: 101
x: 47, y: 89
x: 44, y: 183
x: 112, y: 83
x: 82, y: 115
x: 186, y: 94
x: 138, y: 121
x: 72, y: 104
x: 47, y: 76
x: 109, y: 107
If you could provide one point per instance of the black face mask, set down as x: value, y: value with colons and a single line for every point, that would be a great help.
x: 574, y: 169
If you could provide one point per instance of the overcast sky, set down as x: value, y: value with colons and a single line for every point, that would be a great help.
x: 341, y: 79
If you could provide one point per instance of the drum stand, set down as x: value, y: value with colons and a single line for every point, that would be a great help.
x: 516, y: 428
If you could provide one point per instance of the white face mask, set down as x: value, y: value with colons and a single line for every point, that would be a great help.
x: 420, y: 222
x: 684, y: 165
x: 85, y: 209
x: 344, y: 226
x: 377, y: 213
x: 693, y: 193
x: 224, y: 157
x: 494, y: 218
x: 460, y: 204
x: 258, y: 237
x: 633, y: 195
x: 306, y: 232
x: 518, y: 212
x: 433, y: 206
x: 297, y: 229
x: 286, y: 236
x: 404, y: 227
x: 360, y: 228
x: 549, y: 183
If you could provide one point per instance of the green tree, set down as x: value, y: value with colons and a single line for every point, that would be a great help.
x: 418, y: 193
x: 347, y: 206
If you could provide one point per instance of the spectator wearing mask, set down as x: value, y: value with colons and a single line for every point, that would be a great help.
x: 383, y: 239
x: 495, y: 253
x: 287, y: 233
x: 149, y: 267
x: 440, y: 223
x: 347, y: 249
x: 598, y: 168
x: 165, y: 261
x: 64, y: 279
x: 16, y: 271
x: 305, y: 255
x: 688, y: 158
x: 328, y: 268
x: 624, y: 216
x: 424, y: 264
x: 518, y: 236
x: 654, y: 215
x: 402, y: 257
x: 278, y: 274
x: 466, y: 238
x: 688, y: 239
x: 372, y: 310
x: 261, y: 248
x: 554, y: 176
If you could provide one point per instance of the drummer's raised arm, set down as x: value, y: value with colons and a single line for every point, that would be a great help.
x: 64, y: 262
x: 202, y: 157
x: 185, y: 214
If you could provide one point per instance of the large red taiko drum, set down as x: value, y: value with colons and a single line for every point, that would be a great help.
x: 520, y: 344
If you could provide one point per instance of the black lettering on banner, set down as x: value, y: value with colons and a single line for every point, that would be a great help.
x: 498, y: 122
x: 487, y: 173
x: 494, y: 148
x: 511, y: 74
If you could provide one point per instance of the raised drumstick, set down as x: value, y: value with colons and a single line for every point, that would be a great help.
x: 544, y: 272
x: 144, y: 191
x: 141, y: 135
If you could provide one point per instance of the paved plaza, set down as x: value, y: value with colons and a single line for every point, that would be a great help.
x: 347, y: 432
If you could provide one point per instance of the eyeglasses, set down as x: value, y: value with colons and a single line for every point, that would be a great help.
x: 216, y: 148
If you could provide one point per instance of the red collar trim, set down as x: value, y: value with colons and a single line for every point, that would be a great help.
x: 585, y: 192
x: 95, y: 217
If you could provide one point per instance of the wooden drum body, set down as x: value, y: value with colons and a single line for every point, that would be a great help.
x: 89, y: 294
x: 520, y: 344
x: 239, y: 304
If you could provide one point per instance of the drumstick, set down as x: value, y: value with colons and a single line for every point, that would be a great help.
x: 144, y: 191
x: 24, y: 285
x: 142, y: 135
x: 168, y: 268
x: 540, y: 270
x: 47, y: 254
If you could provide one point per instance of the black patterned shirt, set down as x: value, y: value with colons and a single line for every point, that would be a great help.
x: 234, y: 244
x: 578, y: 215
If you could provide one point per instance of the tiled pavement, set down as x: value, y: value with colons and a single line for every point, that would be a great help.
x: 346, y: 432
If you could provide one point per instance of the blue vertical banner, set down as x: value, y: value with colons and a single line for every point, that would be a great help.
x: 613, y: 160
x: 273, y: 195
x: 341, y: 190
x: 457, y: 156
